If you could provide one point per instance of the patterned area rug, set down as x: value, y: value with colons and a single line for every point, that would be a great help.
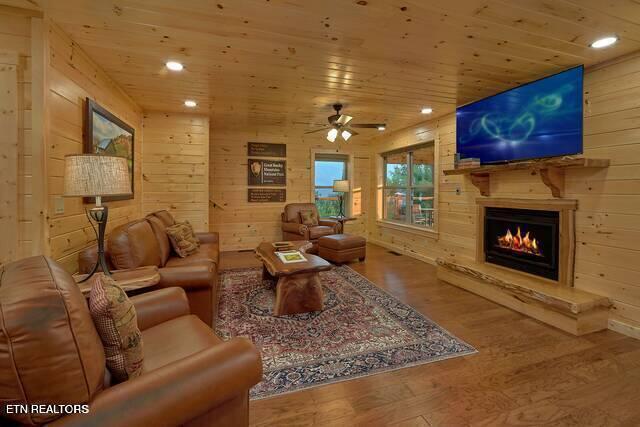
x: 362, y: 331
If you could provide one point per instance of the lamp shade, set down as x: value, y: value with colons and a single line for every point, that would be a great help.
x: 341, y: 186
x: 90, y: 175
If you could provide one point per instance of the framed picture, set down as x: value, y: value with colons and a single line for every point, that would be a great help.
x: 106, y: 134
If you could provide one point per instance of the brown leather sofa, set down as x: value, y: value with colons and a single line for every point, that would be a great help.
x: 144, y: 242
x: 52, y: 354
x: 293, y: 229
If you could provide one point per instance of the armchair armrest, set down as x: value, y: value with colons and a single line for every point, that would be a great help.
x: 178, y: 392
x: 328, y: 222
x: 293, y: 227
x: 153, y: 308
x: 197, y: 276
x: 337, y: 227
x: 207, y: 237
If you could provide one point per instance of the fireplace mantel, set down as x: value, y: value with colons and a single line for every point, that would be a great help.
x: 551, y: 171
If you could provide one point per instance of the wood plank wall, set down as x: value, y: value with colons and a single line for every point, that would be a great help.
x: 9, y: 111
x: 608, y: 216
x: 72, y: 76
x: 175, y: 167
x: 15, y: 37
x: 244, y: 225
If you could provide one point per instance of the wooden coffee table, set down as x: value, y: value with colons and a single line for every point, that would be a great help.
x: 298, y: 289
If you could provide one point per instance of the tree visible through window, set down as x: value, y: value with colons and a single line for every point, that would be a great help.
x: 328, y: 168
x: 408, y: 186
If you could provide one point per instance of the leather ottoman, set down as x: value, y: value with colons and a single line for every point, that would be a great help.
x: 340, y: 248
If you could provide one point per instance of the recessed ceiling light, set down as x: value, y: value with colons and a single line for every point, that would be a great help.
x: 604, y: 42
x: 426, y: 110
x: 381, y: 128
x: 190, y: 103
x: 174, y: 66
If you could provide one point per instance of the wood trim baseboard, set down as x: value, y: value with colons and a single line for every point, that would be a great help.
x: 625, y: 327
x: 402, y: 251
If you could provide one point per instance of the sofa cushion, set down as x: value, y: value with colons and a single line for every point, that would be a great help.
x: 174, y: 340
x: 319, y: 231
x: 115, y: 319
x: 207, y: 252
x: 159, y: 230
x: 183, y: 239
x: 165, y: 217
x: 134, y: 245
x: 342, y: 241
x: 49, y: 349
x: 309, y: 218
x: 292, y: 211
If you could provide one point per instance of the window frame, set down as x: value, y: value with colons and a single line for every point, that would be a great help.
x: 410, y: 187
x: 340, y: 157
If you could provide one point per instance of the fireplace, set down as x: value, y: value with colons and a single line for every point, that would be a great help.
x: 523, y: 239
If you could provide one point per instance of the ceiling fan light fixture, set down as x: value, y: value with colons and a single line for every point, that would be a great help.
x: 332, y: 135
x: 426, y: 110
x: 346, y: 135
x: 174, y: 65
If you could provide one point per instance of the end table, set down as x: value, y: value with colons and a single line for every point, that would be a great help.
x: 129, y: 280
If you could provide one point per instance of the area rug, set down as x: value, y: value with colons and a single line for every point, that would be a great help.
x: 362, y: 331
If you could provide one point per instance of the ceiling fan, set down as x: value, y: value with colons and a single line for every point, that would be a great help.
x: 341, y: 124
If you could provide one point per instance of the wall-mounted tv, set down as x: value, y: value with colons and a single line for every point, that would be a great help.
x: 538, y: 119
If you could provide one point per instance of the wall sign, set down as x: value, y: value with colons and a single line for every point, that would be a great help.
x: 267, y: 195
x: 267, y: 172
x: 263, y: 149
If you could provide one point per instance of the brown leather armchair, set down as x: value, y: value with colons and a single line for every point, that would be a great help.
x: 144, y: 242
x: 54, y: 356
x: 293, y: 229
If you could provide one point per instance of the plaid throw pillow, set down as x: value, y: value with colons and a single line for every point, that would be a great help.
x: 308, y: 218
x: 183, y: 239
x: 115, y: 319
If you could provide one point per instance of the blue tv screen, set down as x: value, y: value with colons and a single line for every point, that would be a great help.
x: 539, y: 119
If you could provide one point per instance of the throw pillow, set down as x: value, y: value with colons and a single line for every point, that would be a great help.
x: 183, y: 239
x: 309, y: 218
x: 115, y: 319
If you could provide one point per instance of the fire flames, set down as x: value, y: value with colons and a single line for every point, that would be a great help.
x: 518, y: 243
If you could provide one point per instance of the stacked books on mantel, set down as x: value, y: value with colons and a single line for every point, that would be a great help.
x: 469, y: 162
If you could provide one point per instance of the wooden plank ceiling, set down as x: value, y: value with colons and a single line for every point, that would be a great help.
x: 280, y: 62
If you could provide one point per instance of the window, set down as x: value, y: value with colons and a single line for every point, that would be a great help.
x: 408, y: 191
x: 328, y: 168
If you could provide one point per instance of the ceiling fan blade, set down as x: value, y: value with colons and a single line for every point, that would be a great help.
x: 314, y: 131
x: 368, y: 125
x: 344, y: 119
x: 353, y: 132
x: 309, y: 123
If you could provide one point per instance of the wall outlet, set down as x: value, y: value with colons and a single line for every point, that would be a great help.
x: 458, y: 191
x: 58, y: 205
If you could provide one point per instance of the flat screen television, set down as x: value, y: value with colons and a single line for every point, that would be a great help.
x: 538, y: 119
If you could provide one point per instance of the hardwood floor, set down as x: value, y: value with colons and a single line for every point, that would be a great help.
x: 525, y: 374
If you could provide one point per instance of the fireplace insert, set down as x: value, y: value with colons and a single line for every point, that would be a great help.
x: 523, y: 239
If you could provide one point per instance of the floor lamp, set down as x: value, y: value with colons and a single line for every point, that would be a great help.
x: 341, y: 186
x: 93, y: 175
